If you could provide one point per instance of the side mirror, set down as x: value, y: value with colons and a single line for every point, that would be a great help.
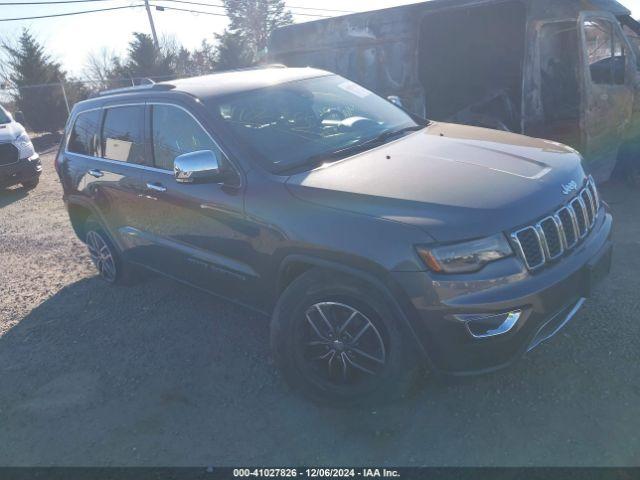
x: 395, y: 100
x: 202, y: 166
x: 19, y: 117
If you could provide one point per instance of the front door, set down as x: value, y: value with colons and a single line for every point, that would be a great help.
x: 608, y: 86
x: 194, y: 232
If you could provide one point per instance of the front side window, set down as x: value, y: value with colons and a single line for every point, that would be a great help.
x: 123, y: 134
x: 4, y: 116
x: 85, y: 135
x: 288, y: 125
x: 175, y: 132
x: 606, y: 53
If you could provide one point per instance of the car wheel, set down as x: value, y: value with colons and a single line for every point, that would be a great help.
x: 338, y: 342
x: 30, y: 184
x: 105, y: 256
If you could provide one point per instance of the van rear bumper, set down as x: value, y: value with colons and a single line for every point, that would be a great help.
x: 546, y: 300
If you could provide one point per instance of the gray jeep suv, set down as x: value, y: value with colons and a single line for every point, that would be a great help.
x: 377, y: 242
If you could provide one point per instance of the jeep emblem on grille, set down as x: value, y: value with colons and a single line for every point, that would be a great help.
x: 567, y: 188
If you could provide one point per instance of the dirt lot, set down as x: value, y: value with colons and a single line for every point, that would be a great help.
x: 160, y: 374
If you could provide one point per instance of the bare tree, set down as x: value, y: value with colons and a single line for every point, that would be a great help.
x: 99, y: 68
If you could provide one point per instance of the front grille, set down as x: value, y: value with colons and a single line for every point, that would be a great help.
x: 556, y: 234
x: 8, y: 154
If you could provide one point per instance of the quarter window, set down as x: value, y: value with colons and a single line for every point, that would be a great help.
x: 174, y: 133
x: 123, y: 134
x: 85, y: 135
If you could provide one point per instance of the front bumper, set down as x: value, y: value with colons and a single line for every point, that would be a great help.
x: 21, y: 171
x: 548, y: 299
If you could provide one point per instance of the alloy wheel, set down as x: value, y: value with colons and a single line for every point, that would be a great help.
x: 101, y: 256
x: 341, y: 345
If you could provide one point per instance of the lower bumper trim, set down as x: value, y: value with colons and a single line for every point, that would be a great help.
x: 555, y: 324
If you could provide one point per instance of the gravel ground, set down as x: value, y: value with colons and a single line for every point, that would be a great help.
x: 160, y: 374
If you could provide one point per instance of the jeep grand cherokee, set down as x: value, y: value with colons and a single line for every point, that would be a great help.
x: 377, y: 242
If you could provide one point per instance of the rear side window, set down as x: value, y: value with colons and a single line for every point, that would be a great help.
x: 123, y: 134
x: 85, y: 135
x: 174, y: 133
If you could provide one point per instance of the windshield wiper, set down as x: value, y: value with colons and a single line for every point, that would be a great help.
x: 389, y: 134
x: 320, y: 159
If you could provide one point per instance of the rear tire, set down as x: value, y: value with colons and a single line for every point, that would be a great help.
x: 107, y: 259
x: 337, y: 341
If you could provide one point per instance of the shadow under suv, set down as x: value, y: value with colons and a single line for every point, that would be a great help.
x: 378, y: 242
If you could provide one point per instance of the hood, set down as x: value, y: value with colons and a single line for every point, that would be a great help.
x: 453, y: 181
x: 9, y: 131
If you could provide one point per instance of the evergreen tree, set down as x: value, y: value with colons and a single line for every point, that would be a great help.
x: 232, y: 51
x: 35, y: 79
x: 253, y: 21
x: 144, y: 60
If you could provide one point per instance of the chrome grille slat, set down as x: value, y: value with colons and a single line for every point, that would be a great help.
x: 523, y: 239
x: 590, y: 206
x: 551, y: 236
x: 554, y: 235
x: 577, y: 205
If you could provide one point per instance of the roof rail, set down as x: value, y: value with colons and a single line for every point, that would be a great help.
x: 253, y: 67
x: 137, y: 88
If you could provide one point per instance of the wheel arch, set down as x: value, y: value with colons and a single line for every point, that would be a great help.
x: 295, y: 265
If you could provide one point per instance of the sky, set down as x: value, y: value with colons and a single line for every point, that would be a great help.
x: 71, y: 39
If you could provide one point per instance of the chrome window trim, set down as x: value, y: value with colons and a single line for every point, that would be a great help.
x: 514, y: 237
x: 137, y: 165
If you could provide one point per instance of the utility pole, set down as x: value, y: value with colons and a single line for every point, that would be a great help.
x: 153, y: 27
x: 64, y: 94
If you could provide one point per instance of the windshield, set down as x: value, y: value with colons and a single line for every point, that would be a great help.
x: 294, y: 124
x: 4, y: 116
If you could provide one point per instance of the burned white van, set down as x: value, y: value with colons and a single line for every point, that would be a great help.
x: 567, y: 71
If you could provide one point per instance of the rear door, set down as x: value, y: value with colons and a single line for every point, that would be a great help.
x: 105, y: 148
x: 608, y: 86
x: 195, y: 232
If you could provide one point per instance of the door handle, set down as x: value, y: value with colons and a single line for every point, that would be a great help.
x: 156, y: 187
x: 96, y: 173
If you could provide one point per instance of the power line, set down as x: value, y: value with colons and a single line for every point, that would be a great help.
x: 221, y: 6
x: 162, y: 7
x: 69, y: 13
x: 63, y: 2
x: 60, y: 2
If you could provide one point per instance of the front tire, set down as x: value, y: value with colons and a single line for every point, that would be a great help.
x: 338, y: 342
x: 30, y: 184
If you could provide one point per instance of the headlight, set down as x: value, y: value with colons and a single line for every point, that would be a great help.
x: 24, y: 146
x: 466, y: 257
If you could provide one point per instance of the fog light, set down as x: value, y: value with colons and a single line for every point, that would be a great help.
x: 484, y: 326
